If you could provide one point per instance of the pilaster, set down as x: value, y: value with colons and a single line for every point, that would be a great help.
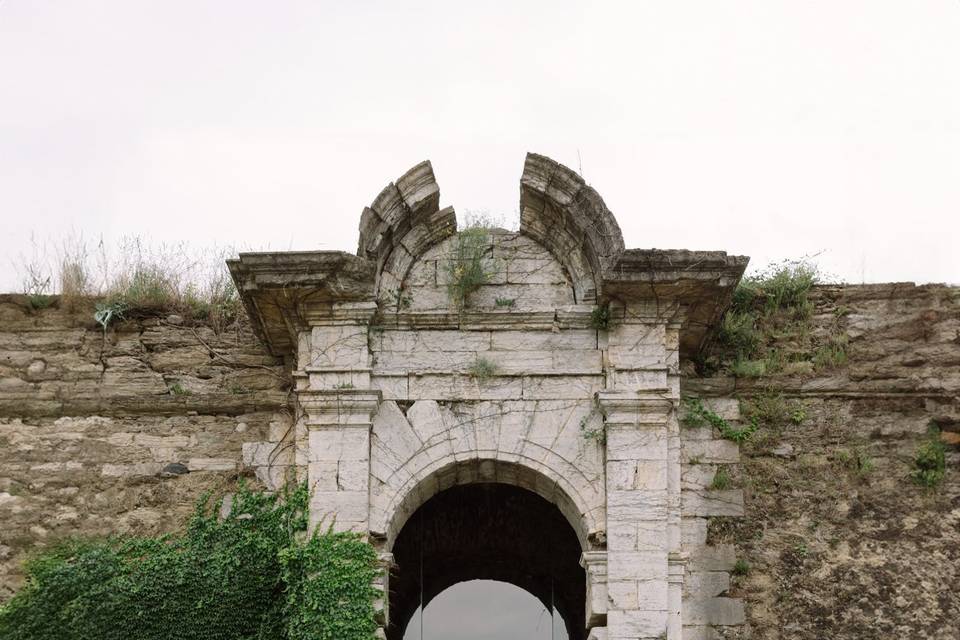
x: 338, y: 422
x: 594, y: 564
x: 338, y: 409
x: 638, y: 507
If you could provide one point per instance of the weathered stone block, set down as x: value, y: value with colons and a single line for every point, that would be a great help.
x: 581, y: 339
x: 574, y: 387
x: 713, y: 503
x: 706, y: 583
x: 335, y: 444
x: 636, y: 565
x: 338, y: 507
x: 713, y: 611
x: 598, y: 633
x: 712, y: 558
x: 211, y: 464
x: 633, y: 624
x: 338, y: 347
x: 710, y: 451
x: 629, y: 443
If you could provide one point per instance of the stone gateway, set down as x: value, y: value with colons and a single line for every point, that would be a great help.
x: 527, y: 432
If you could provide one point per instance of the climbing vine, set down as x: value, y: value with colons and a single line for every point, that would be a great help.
x: 698, y: 415
x: 251, y: 575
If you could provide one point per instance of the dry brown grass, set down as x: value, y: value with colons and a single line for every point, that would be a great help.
x: 131, y: 276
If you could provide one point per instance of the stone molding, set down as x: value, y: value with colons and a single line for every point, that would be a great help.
x: 595, y: 565
x: 339, y: 407
x: 651, y: 407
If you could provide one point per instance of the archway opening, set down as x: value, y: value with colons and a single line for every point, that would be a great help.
x: 485, y: 532
x: 485, y: 609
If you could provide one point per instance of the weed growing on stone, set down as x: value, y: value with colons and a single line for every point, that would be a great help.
x: 109, y: 312
x: 37, y: 288
x: 698, y: 415
x: 40, y: 301
x: 797, y: 415
x: 721, y: 479
x: 831, y: 355
x: 469, y: 268
x: 748, y: 368
x: 738, y: 331
x: 770, y: 409
x: 929, y: 461
x: 177, y: 389
x: 741, y: 567
x: 483, y: 369
x: 592, y: 432
x: 600, y: 318
x: 36, y: 276
x: 855, y: 461
x: 505, y: 302
x: 401, y: 299
x: 133, y: 275
x: 770, y: 308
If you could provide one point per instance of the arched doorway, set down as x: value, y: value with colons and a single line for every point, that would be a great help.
x: 491, y: 532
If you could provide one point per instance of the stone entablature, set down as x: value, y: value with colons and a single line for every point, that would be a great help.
x: 394, y: 412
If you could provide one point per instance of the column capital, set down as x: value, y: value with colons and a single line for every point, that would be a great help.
x: 326, y: 408
x: 594, y: 560
x: 635, y: 408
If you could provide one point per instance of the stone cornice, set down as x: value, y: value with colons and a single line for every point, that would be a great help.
x: 701, y: 281
x: 285, y: 292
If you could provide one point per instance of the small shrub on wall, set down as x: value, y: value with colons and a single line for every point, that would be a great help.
x: 469, y: 266
x: 252, y: 575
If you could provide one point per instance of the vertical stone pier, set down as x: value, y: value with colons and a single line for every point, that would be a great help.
x: 338, y: 406
x: 637, y: 513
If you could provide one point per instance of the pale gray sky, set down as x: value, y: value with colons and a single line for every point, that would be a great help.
x: 486, y: 610
x: 768, y: 128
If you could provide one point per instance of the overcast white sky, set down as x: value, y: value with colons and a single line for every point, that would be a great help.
x: 768, y: 128
x: 486, y: 610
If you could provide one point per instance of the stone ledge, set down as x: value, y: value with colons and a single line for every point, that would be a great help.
x: 28, y: 406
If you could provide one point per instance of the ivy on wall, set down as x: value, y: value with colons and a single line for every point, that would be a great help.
x: 254, y: 574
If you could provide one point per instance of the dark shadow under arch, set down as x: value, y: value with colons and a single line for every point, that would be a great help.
x: 488, y: 531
